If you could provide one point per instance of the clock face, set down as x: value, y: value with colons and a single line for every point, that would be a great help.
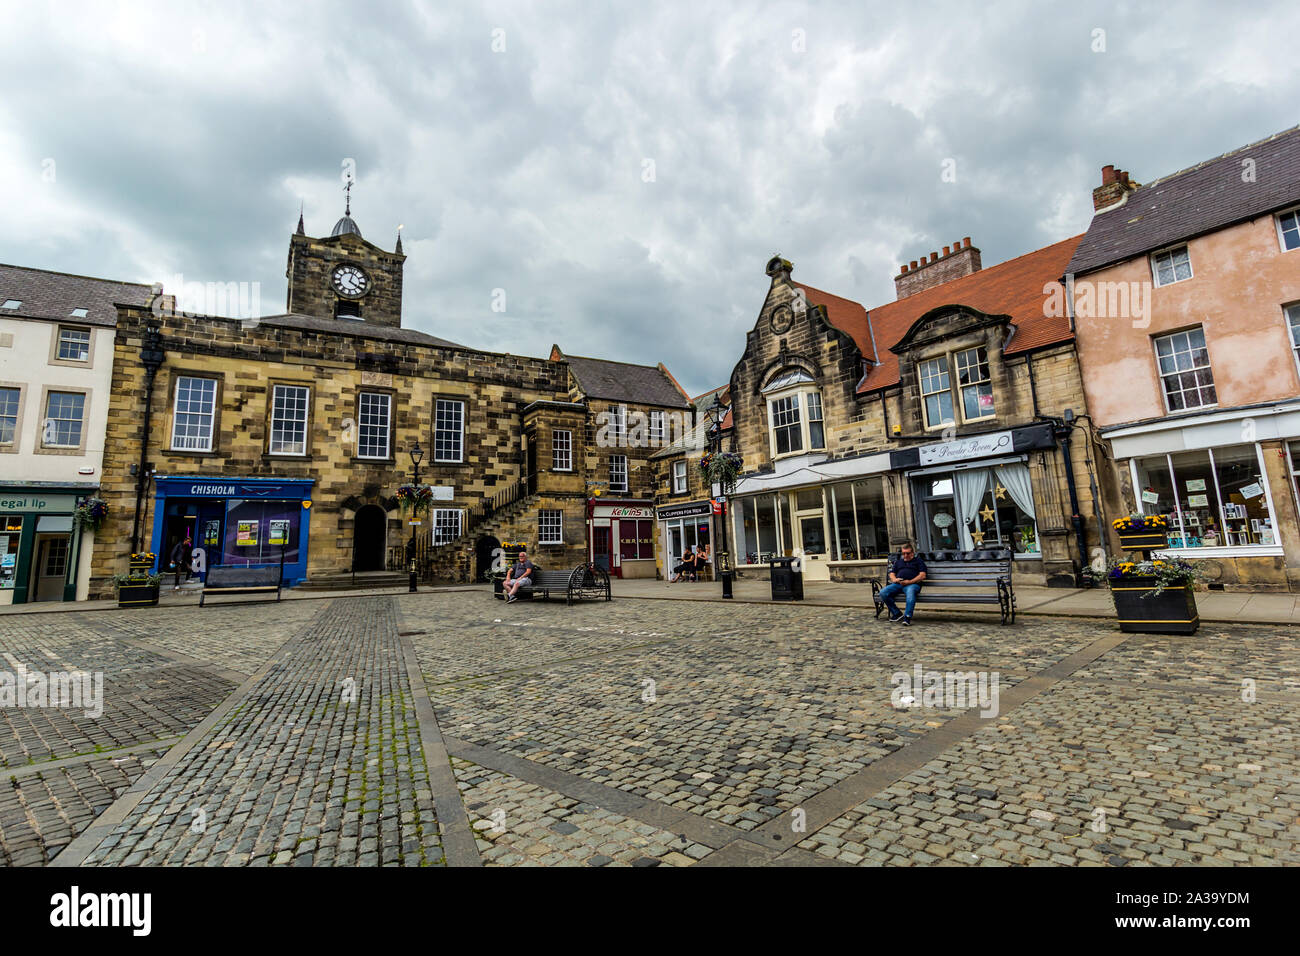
x: 782, y: 319
x: 350, y: 281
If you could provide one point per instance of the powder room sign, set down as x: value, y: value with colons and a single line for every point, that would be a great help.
x: 962, y: 449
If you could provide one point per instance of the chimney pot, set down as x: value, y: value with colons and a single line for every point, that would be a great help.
x: 966, y: 242
x: 945, y: 250
x: 1107, y: 175
x: 903, y: 268
x: 913, y: 263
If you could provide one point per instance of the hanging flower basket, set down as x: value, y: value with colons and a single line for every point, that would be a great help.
x: 91, y: 513
x: 722, y: 468
x: 414, y: 498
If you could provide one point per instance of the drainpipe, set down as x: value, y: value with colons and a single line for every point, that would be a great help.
x: 1061, y: 429
x: 151, y: 356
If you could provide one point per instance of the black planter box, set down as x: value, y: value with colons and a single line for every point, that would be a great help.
x: 137, y: 595
x: 1143, y: 540
x: 1173, y: 611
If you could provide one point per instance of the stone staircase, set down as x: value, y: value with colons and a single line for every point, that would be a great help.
x: 345, y: 581
x: 454, y: 561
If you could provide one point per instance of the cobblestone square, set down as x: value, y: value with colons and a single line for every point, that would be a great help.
x: 446, y: 728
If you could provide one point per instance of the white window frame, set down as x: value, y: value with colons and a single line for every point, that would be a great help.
x: 550, y: 519
x: 439, y: 429
x: 362, y: 425
x: 1291, y: 316
x: 17, y: 415
x: 81, y: 421
x: 973, y: 384
x: 618, y: 425
x: 614, y: 461
x: 1161, y: 375
x: 656, y: 429
x: 277, y: 445
x: 811, y: 396
x: 945, y: 374
x: 440, y: 519
x: 679, y: 477
x: 558, y: 446
x: 176, y: 443
x: 89, y: 342
x: 1281, y: 235
x: 1170, y: 253
x: 795, y: 406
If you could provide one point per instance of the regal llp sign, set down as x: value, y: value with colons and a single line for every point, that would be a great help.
x: 976, y: 446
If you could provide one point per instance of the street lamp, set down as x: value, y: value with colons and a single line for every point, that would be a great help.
x: 716, y: 414
x: 417, y: 456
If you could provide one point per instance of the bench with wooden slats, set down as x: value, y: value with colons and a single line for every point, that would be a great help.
x: 224, y: 580
x: 584, y: 581
x: 962, y: 577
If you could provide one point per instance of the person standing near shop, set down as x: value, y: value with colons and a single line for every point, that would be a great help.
x: 181, y: 559
x: 905, y: 577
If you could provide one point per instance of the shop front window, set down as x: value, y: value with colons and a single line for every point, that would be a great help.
x: 978, y: 509
x: 258, y: 531
x: 757, y: 540
x: 11, y: 527
x: 1211, y: 498
x: 858, y: 520
x: 636, y: 540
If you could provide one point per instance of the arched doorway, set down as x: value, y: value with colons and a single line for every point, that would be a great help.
x: 485, y: 552
x: 369, y: 538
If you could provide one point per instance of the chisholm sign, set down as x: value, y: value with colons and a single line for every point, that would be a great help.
x: 976, y: 446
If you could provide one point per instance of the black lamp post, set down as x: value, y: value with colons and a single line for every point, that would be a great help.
x: 417, y: 456
x: 715, y: 414
x: 152, y: 357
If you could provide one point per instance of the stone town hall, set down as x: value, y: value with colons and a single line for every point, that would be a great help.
x: 289, y: 435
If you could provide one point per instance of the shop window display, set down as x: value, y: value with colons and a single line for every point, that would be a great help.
x: 1211, y: 498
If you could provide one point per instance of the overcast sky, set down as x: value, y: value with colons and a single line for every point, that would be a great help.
x: 621, y: 171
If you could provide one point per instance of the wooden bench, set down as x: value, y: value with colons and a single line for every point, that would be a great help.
x: 223, y: 580
x: 962, y: 577
x: 584, y: 581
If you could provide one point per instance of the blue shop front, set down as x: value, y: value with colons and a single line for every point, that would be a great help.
x: 238, y: 522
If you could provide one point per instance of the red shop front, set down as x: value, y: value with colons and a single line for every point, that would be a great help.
x: 620, y: 537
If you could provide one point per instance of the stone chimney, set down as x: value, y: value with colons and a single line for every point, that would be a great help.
x: 1115, y: 185
x: 959, y: 259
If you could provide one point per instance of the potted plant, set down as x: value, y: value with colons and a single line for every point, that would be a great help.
x: 142, y: 561
x: 137, y: 588
x: 1152, y: 597
x: 1142, y: 532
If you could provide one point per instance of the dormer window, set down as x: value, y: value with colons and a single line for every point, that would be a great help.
x: 794, y: 409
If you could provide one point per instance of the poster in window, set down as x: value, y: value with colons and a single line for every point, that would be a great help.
x: 1198, y: 501
x: 246, y: 534
x: 1150, y: 497
x: 279, y: 532
x: 212, y: 533
x: 1195, y: 484
x: 1252, y: 490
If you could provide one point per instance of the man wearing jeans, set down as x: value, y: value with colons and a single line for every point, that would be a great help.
x: 905, y: 576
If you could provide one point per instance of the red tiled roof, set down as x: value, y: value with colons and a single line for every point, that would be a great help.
x: 845, y: 314
x: 1013, y: 288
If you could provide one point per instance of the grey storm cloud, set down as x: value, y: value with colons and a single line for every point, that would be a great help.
x: 514, y: 143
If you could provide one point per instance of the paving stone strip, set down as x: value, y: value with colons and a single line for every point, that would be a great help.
x: 825, y: 807
x: 316, y: 759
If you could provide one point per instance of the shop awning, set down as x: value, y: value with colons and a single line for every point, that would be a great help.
x: 813, y: 470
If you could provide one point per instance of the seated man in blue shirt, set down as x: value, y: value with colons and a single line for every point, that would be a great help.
x: 905, y: 576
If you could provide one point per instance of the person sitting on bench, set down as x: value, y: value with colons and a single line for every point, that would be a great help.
x: 685, y: 569
x: 520, y: 575
x: 905, y: 576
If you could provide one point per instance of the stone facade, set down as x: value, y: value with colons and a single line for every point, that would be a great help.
x: 312, y: 292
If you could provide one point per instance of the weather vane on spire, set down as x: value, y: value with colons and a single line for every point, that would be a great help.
x: 348, y: 191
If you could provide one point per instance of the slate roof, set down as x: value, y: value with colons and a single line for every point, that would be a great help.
x: 53, y: 295
x: 1195, y: 201
x: 1013, y: 288
x: 313, y: 323
x: 624, y: 382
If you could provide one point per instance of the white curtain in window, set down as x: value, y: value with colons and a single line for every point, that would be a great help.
x: 1016, y: 480
x: 971, y: 486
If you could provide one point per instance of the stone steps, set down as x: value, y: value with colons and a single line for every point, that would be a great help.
x: 364, y: 581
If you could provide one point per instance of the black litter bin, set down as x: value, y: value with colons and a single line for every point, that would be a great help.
x: 787, y: 583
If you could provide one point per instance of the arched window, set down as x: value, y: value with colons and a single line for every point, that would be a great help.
x: 794, y: 413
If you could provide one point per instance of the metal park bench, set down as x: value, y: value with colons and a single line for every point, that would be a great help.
x: 962, y: 577
x: 223, y: 580
x: 584, y: 581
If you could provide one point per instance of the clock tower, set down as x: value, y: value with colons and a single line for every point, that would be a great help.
x: 342, y: 276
